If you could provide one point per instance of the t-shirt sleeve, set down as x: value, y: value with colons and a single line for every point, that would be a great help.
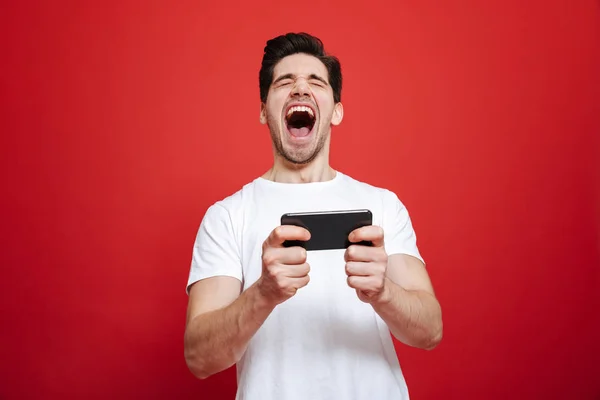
x: 215, y: 251
x: 399, y: 235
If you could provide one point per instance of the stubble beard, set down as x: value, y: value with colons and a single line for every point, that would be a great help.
x: 297, y: 157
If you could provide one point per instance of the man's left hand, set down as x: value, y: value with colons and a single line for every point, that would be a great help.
x: 366, y: 266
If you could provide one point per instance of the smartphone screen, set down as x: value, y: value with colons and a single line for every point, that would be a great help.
x: 329, y: 230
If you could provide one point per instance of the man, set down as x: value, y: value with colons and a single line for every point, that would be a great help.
x: 298, y: 324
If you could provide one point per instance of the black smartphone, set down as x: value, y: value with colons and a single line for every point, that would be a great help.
x: 329, y: 230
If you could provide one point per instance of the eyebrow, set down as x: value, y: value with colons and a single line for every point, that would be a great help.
x: 292, y: 76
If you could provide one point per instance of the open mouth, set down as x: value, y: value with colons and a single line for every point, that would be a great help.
x: 300, y: 121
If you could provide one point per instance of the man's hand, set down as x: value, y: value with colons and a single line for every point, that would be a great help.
x: 284, y: 269
x: 366, y: 266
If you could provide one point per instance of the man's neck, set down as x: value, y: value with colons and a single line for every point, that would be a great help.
x: 285, y: 172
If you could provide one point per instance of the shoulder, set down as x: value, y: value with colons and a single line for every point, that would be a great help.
x: 231, y: 206
x: 388, y: 197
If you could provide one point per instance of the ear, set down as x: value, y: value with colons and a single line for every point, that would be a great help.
x: 263, y: 113
x: 338, y: 114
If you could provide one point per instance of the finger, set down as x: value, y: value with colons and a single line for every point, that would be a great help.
x: 357, y: 253
x: 365, y: 254
x: 358, y: 269
x: 297, y: 283
x: 301, y: 282
x: 364, y: 283
x: 282, y: 255
x: 297, y: 271
x: 371, y: 233
x: 286, y: 232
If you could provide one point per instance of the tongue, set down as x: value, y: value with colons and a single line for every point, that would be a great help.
x: 299, y: 132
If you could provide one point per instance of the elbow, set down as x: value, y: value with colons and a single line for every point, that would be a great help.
x: 436, y: 331
x: 197, y: 362
x: 199, y: 373
x: 435, y: 337
x: 434, y: 341
x: 202, y: 367
x: 195, y: 358
x: 196, y: 366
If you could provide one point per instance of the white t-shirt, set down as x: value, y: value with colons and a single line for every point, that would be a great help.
x: 323, y: 343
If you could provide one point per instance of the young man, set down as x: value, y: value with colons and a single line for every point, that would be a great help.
x: 306, y: 325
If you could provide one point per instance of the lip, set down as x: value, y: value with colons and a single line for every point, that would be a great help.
x: 304, y: 104
x: 299, y: 103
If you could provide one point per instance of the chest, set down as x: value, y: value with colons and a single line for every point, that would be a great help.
x: 327, y: 266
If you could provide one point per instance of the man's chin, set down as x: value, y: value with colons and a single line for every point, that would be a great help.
x: 297, y: 152
x: 298, y: 159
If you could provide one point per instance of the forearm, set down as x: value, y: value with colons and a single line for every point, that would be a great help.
x: 217, y: 339
x: 413, y: 317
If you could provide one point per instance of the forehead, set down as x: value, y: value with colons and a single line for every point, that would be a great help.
x: 301, y: 65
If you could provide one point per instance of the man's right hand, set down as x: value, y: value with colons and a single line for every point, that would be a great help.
x: 222, y: 317
x: 284, y: 269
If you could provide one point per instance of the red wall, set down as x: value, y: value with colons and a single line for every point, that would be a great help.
x: 123, y: 122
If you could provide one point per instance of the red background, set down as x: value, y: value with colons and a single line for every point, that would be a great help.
x: 122, y: 122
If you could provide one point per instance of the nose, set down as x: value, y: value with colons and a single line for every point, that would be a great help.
x: 300, y: 88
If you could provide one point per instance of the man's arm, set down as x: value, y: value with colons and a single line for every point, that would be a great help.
x: 220, y: 323
x: 408, y: 304
x: 397, y: 287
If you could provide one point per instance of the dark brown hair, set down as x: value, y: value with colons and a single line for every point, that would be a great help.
x: 292, y: 43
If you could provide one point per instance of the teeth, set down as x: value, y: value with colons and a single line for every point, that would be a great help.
x: 301, y: 109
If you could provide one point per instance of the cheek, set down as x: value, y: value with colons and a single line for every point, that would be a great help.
x: 325, y: 104
x: 270, y: 113
x: 326, y: 112
x: 274, y: 107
